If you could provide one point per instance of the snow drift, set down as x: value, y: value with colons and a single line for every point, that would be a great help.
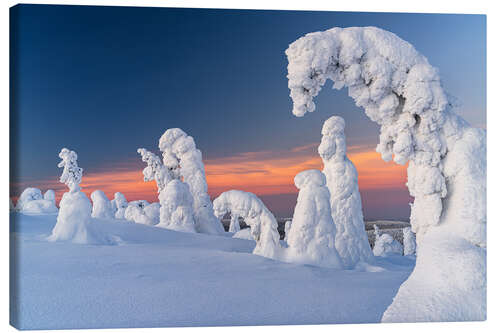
x: 402, y: 92
x: 351, y: 240
x: 311, y: 237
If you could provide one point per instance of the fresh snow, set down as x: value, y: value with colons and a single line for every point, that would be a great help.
x: 157, y: 277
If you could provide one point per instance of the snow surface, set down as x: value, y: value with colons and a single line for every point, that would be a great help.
x: 158, y: 277
x: 402, y: 92
x: 351, y: 240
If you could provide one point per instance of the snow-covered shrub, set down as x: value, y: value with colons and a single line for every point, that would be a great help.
x: 263, y: 225
x: 101, y: 206
x: 409, y: 242
x: 351, y: 239
x: 180, y: 155
x: 385, y: 244
x: 31, y: 201
x: 402, y: 92
x: 311, y: 238
x: 152, y: 211
x: 73, y: 221
x: 176, y: 211
x: 136, y: 212
x: 121, y: 205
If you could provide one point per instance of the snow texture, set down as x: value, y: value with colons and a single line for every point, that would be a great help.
x: 31, y: 201
x: 180, y: 153
x: 409, y: 242
x: 263, y: 225
x: 402, y: 92
x: 176, y: 211
x: 385, y: 244
x: 75, y: 209
x: 311, y: 238
x: 121, y: 205
x: 101, y: 206
x: 351, y: 239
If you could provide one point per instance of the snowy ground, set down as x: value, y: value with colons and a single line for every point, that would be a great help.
x: 157, y: 277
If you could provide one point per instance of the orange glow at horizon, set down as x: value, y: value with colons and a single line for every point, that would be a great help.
x: 263, y: 173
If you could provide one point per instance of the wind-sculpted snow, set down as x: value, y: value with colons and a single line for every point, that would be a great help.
x: 180, y: 155
x: 409, y: 242
x: 263, y: 225
x: 31, y: 201
x: 101, y: 206
x: 176, y: 212
x: 385, y: 244
x: 75, y: 210
x: 402, y: 92
x: 121, y: 205
x: 311, y: 238
x: 351, y: 240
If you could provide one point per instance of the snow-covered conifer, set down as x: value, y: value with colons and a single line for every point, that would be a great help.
x: 385, y: 244
x: 351, y: 240
x: 263, y: 225
x: 409, y: 242
x: 121, y: 205
x: 176, y: 212
x: 101, y: 206
x: 402, y: 92
x: 311, y: 238
x: 155, y: 169
x: 180, y: 154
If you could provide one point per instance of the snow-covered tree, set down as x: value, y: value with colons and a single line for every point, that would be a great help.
x: 31, y: 201
x: 263, y: 225
x: 409, y: 242
x: 73, y: 221
x: 311, y: 238
x: 101, y: 206
x: 121, y: 205
x: 351, y: 240
x: 137, y: 211
x: 50, y: 195
x: 155, y: 169
x: 234, y: 226
x: 385, y: 244
x: 180, y: 155
x: 402, y: 92
x: 288, y: 224
x: 176, y: 212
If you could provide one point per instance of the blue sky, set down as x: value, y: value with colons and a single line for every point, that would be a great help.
x: 106, y: 80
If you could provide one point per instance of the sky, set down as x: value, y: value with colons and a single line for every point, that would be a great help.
x: 104, y: 81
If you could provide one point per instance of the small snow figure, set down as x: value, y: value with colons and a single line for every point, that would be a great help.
x: 235, y: 223
x: 31, y: 201
x: 101, y: 207
x: 385, y: 244
x: 263, y: 225
x: 180, y: 155
x: 121, y: 205
x: 176, y: 212
x: 351, y: 240
x: 311, y: 238
x: 409, y: 242
x: 73, y: 221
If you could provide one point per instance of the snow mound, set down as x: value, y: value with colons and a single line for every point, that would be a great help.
x: 180, y: 153
x: 101, y: 207
x: 244, y: 234
x: 402, y: 92
x: 311, y: 238
x: 351, y: 239
x: 263, y: 225
x: 31, y: 201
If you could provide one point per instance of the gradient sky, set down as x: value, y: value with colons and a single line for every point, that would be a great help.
x: 104, y: 81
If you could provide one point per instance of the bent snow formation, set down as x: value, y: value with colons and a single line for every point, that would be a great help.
x: 402, y: 92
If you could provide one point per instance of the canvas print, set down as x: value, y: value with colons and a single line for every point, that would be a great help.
x: 208, y: 167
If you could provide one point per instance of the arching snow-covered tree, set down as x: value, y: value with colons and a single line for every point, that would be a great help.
x: 121, y: 205
x: 180, y: 153
x: 263, y: 225
x: 351, y: 240
x: 176, y: 211
x: 73, y: 221
x: 101, y: 206
x: 402, y: 92
x: 234, y: 226
x: 311, y: 238
x: 31, y: 201
x: 409, y: 242
x: 385, y: 244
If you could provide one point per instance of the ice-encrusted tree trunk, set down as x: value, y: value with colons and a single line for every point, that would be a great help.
x: 351, y: 240
x: 75, y: 209
x: 311, y: 238
x: 402, y: 92
x: 180, y: 154
x: 263, y: 225
x: 101, y: 206
x: 409, y: 242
